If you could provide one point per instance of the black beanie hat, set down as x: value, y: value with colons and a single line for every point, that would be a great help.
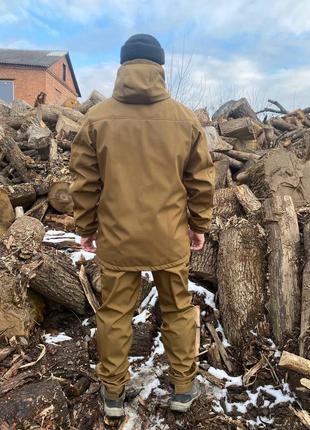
x: 142, y: 46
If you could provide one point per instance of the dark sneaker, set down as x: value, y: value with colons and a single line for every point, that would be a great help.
x: 182, y: 402
x: 113, y: 408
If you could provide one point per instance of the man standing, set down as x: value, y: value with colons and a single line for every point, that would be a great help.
x: 142, y: 174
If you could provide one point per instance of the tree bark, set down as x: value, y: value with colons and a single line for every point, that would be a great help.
x: 304, y: 342
x: 7, y: 214
x: 21, y: 195
x: 226, y: 203
x: 247, y: 199
x: 283, y: 242
x: 241, y: 278
x: 203, y: 264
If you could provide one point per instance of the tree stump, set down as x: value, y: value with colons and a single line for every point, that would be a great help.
x: 241, y: 278
x: 283, y: 243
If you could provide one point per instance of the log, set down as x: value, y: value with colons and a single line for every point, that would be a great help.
x: 295, y: 363
x: 17, y: 159
x: 215, y: 142
x: 50, y: 114
x: 236, y: 164
x: 66, y: 128
x: 94, y: 98
x: 59, y: 197
x: 247, y: 199
x: 57, y: 280
x: 243, y: 156
x: 282, y: 125
x: 235, y: 109
x: 203, y: 264
x: 242, y: 128
x: 21, y: 195
x: 304, y: 339
x: 214, y: 357
x: 283, y: 243
x: 279, y: 172
x: 226, y: 204
x: 35, y: 403
x: 62, y: 221
x: 241, y: 278
x: 7, y: 214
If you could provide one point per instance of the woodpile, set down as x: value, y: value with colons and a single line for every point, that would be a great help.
x: 256, y: 255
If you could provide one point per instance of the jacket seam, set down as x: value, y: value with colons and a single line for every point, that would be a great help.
x: 140, y: 119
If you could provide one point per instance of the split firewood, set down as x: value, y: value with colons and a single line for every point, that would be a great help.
x: 220, y: 346
x: 279, y: 172
x: 241, y: 257
x: 305, y: 382
x: 234, y: 109
x: 50, y: 114
x: 39, y: 209
x: 295, y: 363
x: 87, y: 290
x: 59, y: 197
x: 247, y: 199
x: 304, y: 339
x: 214, y: 356
x: 283, y: 243
x: 66, y: 128
x: 203, y: 264
x: 226, y: 204
x: 63, y: 221
x: 242, y: 128
x: 94, y: 98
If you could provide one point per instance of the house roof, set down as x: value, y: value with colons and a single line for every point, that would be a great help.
x: 36, y: 58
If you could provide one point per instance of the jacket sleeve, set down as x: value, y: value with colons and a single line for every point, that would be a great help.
x: 198, y: 179
x: 86, y: 186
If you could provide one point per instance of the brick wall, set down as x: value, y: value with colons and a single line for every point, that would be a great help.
x: 29, y: 82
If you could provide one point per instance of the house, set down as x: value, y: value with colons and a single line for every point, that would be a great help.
x: 26, y: 74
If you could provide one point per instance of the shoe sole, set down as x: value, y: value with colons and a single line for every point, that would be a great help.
x: 114, y: 412
x: 182, y: 407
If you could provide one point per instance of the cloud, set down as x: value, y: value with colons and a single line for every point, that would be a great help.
x: 212, y: 81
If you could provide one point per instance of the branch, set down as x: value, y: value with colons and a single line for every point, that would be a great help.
x: 281, y: 108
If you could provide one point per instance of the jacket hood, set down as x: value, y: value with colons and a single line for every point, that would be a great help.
x: 140, y: 82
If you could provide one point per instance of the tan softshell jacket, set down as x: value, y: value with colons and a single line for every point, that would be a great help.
x: 139, y: 161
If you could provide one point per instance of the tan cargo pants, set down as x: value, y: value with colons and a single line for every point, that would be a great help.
x: 120, y: 294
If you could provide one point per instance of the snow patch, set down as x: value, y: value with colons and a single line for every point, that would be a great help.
x: 93, y: 331
x: 209, y: 298
x: 148, y: 276
x: 85, y: 322
x: 142, y: 317
x: 52, y: 339
x: 145, y: 393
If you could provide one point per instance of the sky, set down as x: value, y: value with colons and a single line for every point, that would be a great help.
x: 217, y: 49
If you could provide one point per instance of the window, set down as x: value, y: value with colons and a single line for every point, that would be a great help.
x: 6, y: 90
x: 64, y: 72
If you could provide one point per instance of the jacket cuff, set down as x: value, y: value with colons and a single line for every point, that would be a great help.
x: 199, y: 229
